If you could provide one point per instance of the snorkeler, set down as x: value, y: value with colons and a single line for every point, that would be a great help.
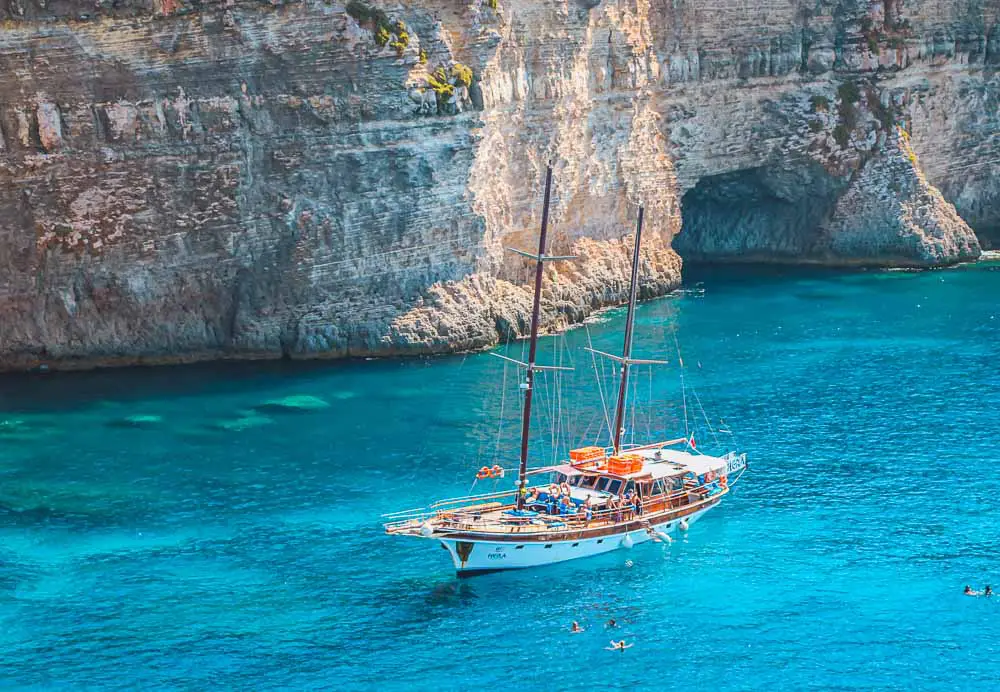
x: 969, y: 592
x: 618, y: 646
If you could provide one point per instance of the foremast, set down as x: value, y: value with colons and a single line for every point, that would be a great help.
x: 528, y: 385
x: 529, y: 380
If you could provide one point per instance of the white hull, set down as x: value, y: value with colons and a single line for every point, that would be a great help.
x: 490, y: 555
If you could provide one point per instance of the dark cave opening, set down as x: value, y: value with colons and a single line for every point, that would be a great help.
x: 756, y: 215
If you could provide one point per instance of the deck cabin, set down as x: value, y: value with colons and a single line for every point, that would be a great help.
x: 663, y: 479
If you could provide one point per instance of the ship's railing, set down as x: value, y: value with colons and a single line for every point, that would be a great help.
x: 474, y: 498
x: 462, y: 519
x: 412, y: 520
x: 432, y: 509
x: 544, y: 523
x: 462, y: 514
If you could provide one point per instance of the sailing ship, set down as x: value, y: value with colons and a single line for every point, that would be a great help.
x: 600, y: 499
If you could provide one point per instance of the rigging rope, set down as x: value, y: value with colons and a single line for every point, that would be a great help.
x: 704, y: 415
x: 680, y: 369
x: 634, y: 399
x: 598, y: 377
x: 649, y: 406
x: 503, y: 399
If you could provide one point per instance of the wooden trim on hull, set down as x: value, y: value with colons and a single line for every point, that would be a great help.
x: 597, y: 532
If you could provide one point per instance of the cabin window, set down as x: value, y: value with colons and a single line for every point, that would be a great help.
x: 658, y: 488
x: 629, y: 486
x: 614, y: 487
x: 588, y: 481
x: 602, y: 484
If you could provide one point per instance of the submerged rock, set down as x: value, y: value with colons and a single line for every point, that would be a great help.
x: 13, y: 426
x: 22, y: 430
x: 40, y: 500
x: 136, y: 421
x: 292, y: 404
x: 245, y: 422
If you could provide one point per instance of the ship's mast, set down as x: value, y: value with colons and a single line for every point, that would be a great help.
x: 626, y: 358
x: 533, y: 344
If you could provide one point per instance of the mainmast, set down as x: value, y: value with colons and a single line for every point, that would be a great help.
x: 626, y: 358
x: 533, y: 344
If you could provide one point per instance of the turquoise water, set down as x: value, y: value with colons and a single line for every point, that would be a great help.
x: 191, y: 528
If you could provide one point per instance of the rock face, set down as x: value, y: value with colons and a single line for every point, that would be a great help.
x: 183, y: 181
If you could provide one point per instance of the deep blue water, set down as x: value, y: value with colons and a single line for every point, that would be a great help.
x: 225, y: 542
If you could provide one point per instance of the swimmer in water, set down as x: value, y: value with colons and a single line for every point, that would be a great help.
x: 576, y: 627
x: 658, y: 536
x: 969, y: 592
x: 988, y: 591
x: 611, y: 623
x: 618, y: 646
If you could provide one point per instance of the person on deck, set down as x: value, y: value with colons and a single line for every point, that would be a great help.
x: 565, y: 507
x: 627, y: 505
x: 613, y: 509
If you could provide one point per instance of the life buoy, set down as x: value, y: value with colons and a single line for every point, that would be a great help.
x: 483, y: 473
x: 723, y: 481
x: 496, y: 471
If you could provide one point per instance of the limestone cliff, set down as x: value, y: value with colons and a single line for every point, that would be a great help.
x: 186, y: 180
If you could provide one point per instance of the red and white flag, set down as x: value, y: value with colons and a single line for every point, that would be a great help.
x: 691, y: 442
